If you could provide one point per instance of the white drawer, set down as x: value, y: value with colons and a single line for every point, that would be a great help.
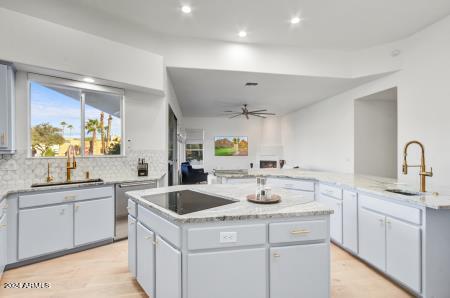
x: 402, y: 212
x: 56, y: 197
x: 159, y: 225
x: 291, y: 184
x: 226, y: 236
x: 331, y: 191
x: 132, y: 208
x: 298, y: 231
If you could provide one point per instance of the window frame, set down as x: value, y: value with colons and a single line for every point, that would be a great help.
x: 81, y: 87
x: 202, y: 150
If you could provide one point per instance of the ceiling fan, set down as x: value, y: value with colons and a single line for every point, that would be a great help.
x: 245, y: 112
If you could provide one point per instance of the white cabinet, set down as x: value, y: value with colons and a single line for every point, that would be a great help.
x: 3, y: 245
x: 372, y: 238
x: 403, y: 253
x: 145, y: 259
x: 132, y: 245
x: 335, y: 218
x: 224, y: 274
x: 299, y: 271
x: 168, y: 268
x: 94, y: 221
x: 45, y: 230
x: 6, y: 109
x: 350, y: 221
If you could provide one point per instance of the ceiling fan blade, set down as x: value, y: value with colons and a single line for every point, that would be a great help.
x: 246, y: 116
x: 258, y: 116
x: 263, y: 113
x: 235, y: 116
x: 256, y: 111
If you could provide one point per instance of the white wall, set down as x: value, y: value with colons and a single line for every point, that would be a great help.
x: 36, y: 42
x: 376, y: 136
x: 321, y: 136
x: 227, y: 127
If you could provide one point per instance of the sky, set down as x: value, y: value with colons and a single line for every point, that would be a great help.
x: 50, y: 106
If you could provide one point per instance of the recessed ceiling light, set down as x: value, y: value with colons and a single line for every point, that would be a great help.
x: 186, y: 9
x: 89, y: 80
x: 251, y: 84
x: 295, y: 20
x: 242, y: 33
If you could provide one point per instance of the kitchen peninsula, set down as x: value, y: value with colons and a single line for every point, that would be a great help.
x: 237, y: 249
x: 385, y: 222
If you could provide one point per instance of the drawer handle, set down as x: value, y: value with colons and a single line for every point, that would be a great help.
x: 77, y: 207
x: 128, y: 208
x: 62, y: 211
x: 147, y: 237
x: 276, y: 255
x: 68, y: 198
x: 6, y: 206
x: 3, y: 226
x: 299, y: 232
x: 131, y: 223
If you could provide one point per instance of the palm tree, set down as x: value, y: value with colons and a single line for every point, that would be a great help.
x: 92, y: 126
x: 63, y: 125
x: 70, y: 127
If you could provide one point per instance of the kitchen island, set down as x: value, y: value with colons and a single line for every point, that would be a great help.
x: 180, y: 247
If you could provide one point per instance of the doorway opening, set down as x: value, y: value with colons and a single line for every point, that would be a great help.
x: 376, y: 134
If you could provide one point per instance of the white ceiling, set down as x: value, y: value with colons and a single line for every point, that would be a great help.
x: 208, y: 93
x: 328, y: 24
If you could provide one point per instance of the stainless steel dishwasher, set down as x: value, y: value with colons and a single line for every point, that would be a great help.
x: 121, y: 222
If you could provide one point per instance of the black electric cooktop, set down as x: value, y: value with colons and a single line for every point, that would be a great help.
x: 187, y: 201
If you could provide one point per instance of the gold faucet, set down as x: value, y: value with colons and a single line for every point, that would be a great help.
x: 70, y: 166
x: 423, y: 172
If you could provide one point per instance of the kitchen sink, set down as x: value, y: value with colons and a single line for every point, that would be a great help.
x: 74, y: 182
x: 403, y: 192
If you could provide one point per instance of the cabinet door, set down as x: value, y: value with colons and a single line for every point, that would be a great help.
x: 94, y: 221
x: 350, y: 221
x: 335, y: 218
x: 3, y: 246
x: 372, y: 242
x: 227, y: 274
x: 45, y: 230
x: 168, y: 268
x: 403, y: 253
x: 145, y: 260
x: 132, y: 245
x: 4, y: 106
x: 300, y: 271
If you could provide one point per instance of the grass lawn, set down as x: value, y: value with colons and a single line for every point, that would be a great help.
x: 225, y: 151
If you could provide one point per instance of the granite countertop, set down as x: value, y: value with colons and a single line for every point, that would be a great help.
x: 367, y: 184
x: 22, y: 187
x: 292, y: 204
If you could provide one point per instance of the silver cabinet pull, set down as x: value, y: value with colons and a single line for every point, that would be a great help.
x: 276, y: 255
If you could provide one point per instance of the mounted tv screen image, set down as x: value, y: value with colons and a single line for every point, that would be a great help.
x: 231, y: 146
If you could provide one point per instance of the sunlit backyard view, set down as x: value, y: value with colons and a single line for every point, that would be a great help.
x: 56, y: 122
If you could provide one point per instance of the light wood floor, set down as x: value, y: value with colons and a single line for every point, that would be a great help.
x: 103, y: 272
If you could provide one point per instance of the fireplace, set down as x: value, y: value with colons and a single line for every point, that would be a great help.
x: 267, y: 164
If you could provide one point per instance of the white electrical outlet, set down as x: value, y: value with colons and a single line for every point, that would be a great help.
x: 228, y: 237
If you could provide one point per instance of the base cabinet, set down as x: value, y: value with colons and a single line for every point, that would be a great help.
x: 236, y: 273
x: 3, y: 244
x: 45, y: 230
x: 372, y: 238
x: 145, y: 258
x: 350, y: 221
x: 403, y: 253
x: 300, y: 271
x: 132, y: 245
x: 94, y: 221
x: 168, y: 270
x: 335, y: 218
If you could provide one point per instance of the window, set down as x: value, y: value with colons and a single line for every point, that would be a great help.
x: 66, y: 113
x: 194, y: 146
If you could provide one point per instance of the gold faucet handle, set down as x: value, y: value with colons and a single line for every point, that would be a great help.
x: 428, y: 174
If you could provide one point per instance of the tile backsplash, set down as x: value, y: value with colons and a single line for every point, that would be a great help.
x: 19, y: 168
